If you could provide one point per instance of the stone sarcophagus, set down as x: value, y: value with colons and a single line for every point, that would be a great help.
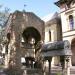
x: 59, y: 48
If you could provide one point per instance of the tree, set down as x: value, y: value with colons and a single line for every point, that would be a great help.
x: 4, y: 14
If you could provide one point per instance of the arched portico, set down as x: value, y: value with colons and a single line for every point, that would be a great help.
x: 31, y: 33
x: 30, y: 38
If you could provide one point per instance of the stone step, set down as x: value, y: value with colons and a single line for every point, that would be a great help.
x: 59, y: 69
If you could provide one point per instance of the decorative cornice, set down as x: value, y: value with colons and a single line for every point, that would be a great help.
x: 60, y: 2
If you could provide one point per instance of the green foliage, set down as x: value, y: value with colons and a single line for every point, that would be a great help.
x: 58, y: 73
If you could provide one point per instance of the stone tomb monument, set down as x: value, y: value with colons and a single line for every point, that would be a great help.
x: 23, y: 31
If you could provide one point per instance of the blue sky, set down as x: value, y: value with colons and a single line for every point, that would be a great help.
x: 39, y: 7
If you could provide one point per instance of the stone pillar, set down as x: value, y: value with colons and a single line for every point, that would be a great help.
x: 52, y: 63
x: 67, y: 65
x: 70, y: 61
x: 62, y: 60
x: 6, y: 61
x: 49, y: 60
x: 15, y: 55
x: 43, y: 67
x: 6, y: 57
x: 49, y: 67
x: 15, y: 60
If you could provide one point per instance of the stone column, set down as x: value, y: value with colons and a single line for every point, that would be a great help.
x: 43, y: 67
x: 62, y: 60
x: 49, y: 67
x: 49, y: 60
x: 15, y: 55
x: 15, y: 60
x: 6, y: 61
x: 67, y: 65
x: 52, y: 63
x: 6, y: 57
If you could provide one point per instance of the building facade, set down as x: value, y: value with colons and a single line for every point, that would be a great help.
x: 67, y: 12
x: 62, y: 26
x: 53, y: 33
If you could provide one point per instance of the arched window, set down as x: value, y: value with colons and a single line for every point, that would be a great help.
x: 49, y: 35
x: 71, y: 22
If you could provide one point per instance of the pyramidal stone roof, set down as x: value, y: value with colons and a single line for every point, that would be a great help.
x: 50, y: 17
x: 20, y: 14
x: 28, y: 13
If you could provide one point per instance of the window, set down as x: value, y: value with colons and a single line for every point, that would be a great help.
x: 71, y: 22
x: 49, y: 35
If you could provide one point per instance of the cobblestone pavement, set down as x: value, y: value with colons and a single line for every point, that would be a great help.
x: 2, y: 72
x: 59, y: 70
x: 53, y: 71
